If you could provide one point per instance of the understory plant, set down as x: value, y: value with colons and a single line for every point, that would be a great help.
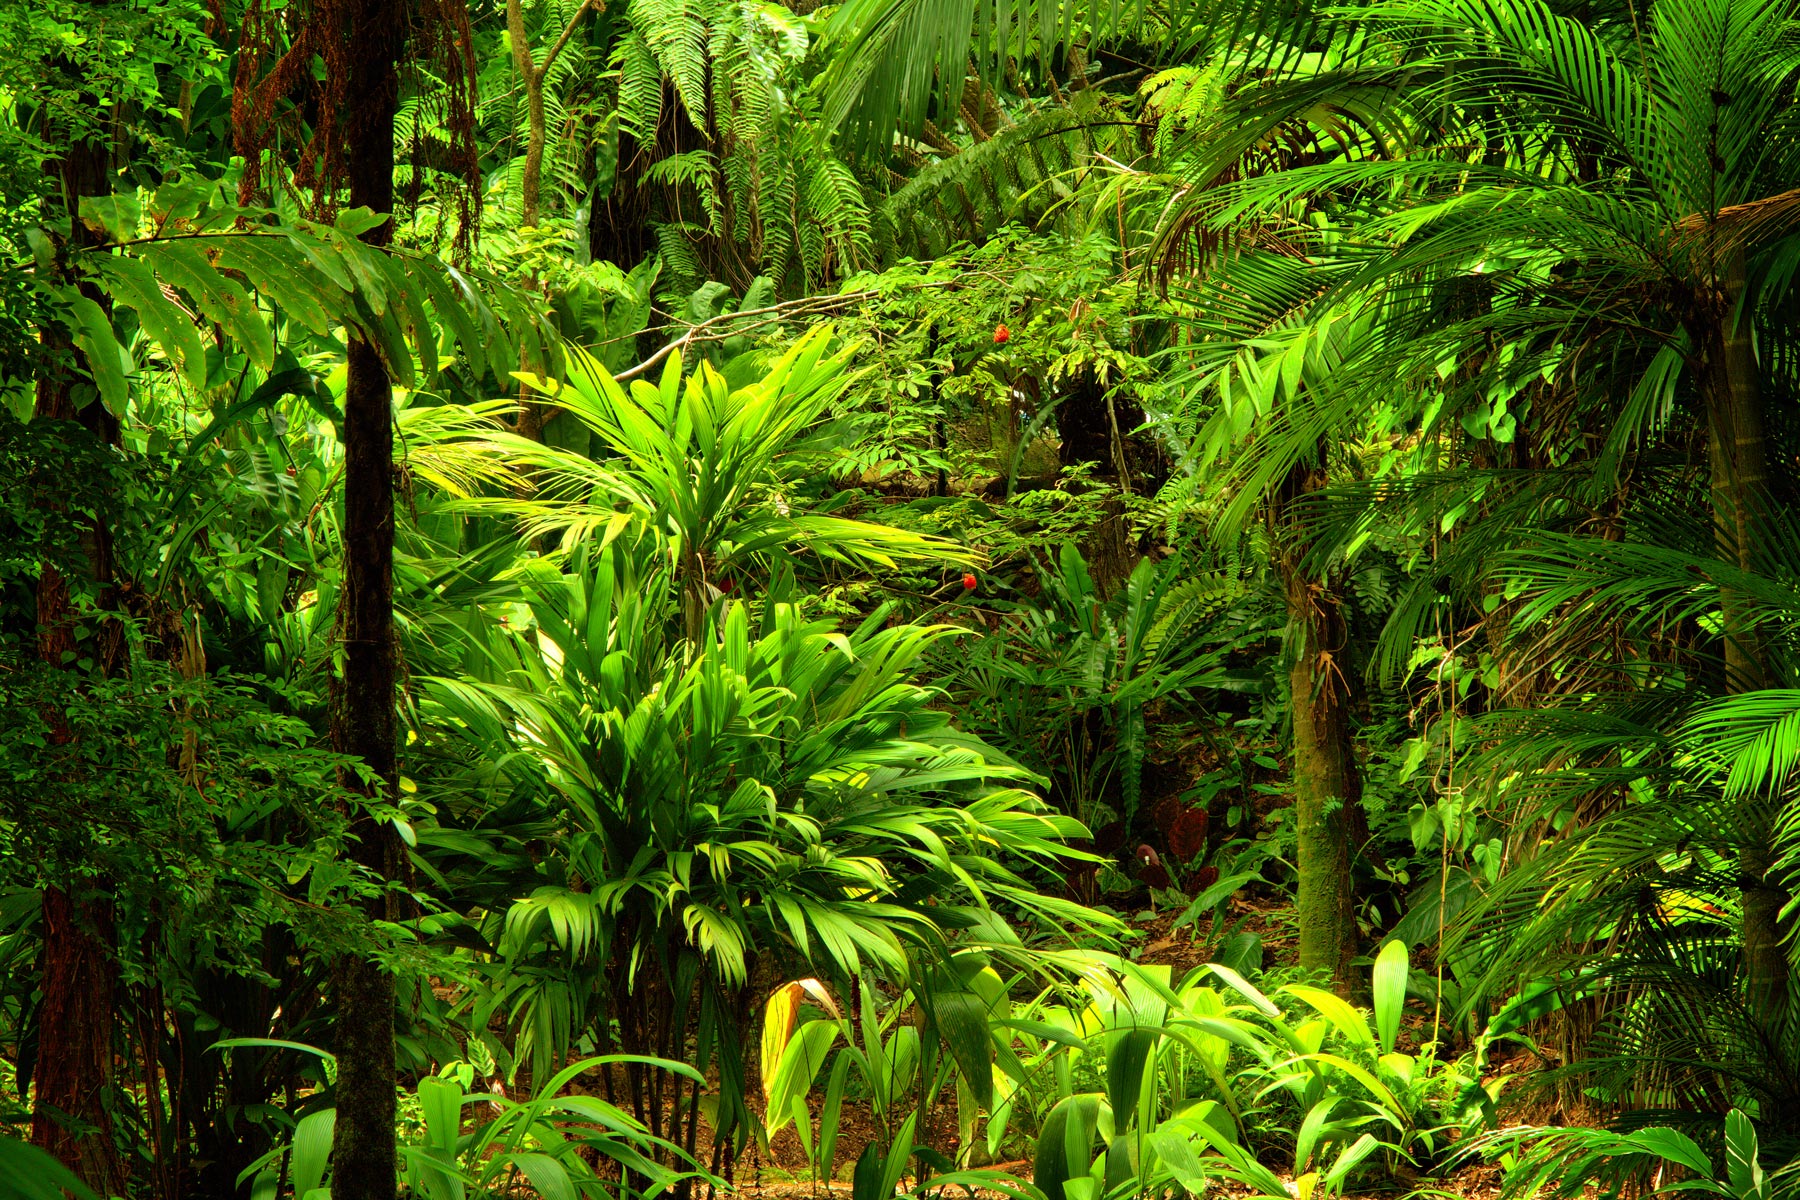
x: 552, y: 1143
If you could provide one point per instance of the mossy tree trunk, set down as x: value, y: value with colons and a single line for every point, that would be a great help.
x: 1327, y: 786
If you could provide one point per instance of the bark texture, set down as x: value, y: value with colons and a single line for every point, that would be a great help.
x: 1327, y: 785
x: 364, y: 723
x: 78, y: 973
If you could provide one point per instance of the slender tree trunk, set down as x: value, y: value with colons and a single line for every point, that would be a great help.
x: 1327, y: 786
x: 1739, y: 461
x: 78, y: 975
x: 364, y: 724
x: 532, y: 80
x: 531, y: 77
x: 533, y: 415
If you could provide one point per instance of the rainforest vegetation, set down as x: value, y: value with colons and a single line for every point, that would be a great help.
x: 1047, y: 599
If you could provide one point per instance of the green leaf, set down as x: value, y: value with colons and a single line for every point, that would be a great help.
x: 801, y: 1060
x: 865, y: 1182
x: 131, y: 282
x: 312, y: 1149
x: 441, y: 1099
x: 1392, y: 969
x: 1179, y: 1159
x: 107, y: 361
x: 831, y: 1116
x: 219, y: 297
x: 117, y: 216
x: 286, y: 280
x: 961, y: 1019
x: 271, y: 1044
x: 1743, y: 1169
x: 358, y: 221
x: 1125, y: 1059
x: 1310, y: 1130
x: 409, y: 313
x: 1065, y: 1143
x: 548, y: 1177
x: 28, y: 1173
x: 1335, y: 1009
x: 1349, y: 1159
x: 898, y: 1155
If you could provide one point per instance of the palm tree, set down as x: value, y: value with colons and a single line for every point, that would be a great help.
x: 709, y: 471
x: 1618, y: 200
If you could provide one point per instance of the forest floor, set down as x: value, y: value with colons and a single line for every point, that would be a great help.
x: 783, y: 1172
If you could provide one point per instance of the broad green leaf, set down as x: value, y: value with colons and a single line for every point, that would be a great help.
x: 1310, y: 1130
x: 285, y: 280
x: 117, y: 215
x: 898, y: 1155
x: 133, y: 284
x: 1349, y: 1159
x: 106, y: 359
x: 778, y: 1027
x: 801, y: 1061
x: 312, y: 1149
x: 1335, y: 1009
x: 441, y: 1099
x: 961, y: 1019
x: 28, y: 1173
x: 548, y: 1177
x: 1176, y: 1152
x: 1125, y: 1059
x: 865, y: 1182
x: 219, y: 297
x: 1390, y: 975
x: 1065, y: 1143
x: 1743, y: 1170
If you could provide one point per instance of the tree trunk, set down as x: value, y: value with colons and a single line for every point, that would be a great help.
x: 1327, y: 786
x: 77, y: 972
x: 531, y: 77
x: 1739, y: 461
x: 74, y: 1067
x: 532, y: 80
x: 364, y: 724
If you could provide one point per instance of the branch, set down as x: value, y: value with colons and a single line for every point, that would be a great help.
x: 774, y: 314
x: 785, y: 308
x: 567, y: 33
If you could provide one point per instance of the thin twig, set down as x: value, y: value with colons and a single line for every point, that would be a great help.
x: 774, y: 314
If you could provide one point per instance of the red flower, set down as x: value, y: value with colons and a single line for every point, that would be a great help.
x: 969, y: 581
x: 1002, y: 335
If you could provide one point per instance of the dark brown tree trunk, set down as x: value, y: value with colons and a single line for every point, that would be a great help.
x: 364, y: 724
x: 77, y: 972
x: 1327, y: 786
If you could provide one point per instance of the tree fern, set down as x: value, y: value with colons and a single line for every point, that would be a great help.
x: 1020, y: 173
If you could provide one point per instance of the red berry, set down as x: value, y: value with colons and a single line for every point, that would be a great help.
x: 969, y: 582
x: 1002, y: 335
